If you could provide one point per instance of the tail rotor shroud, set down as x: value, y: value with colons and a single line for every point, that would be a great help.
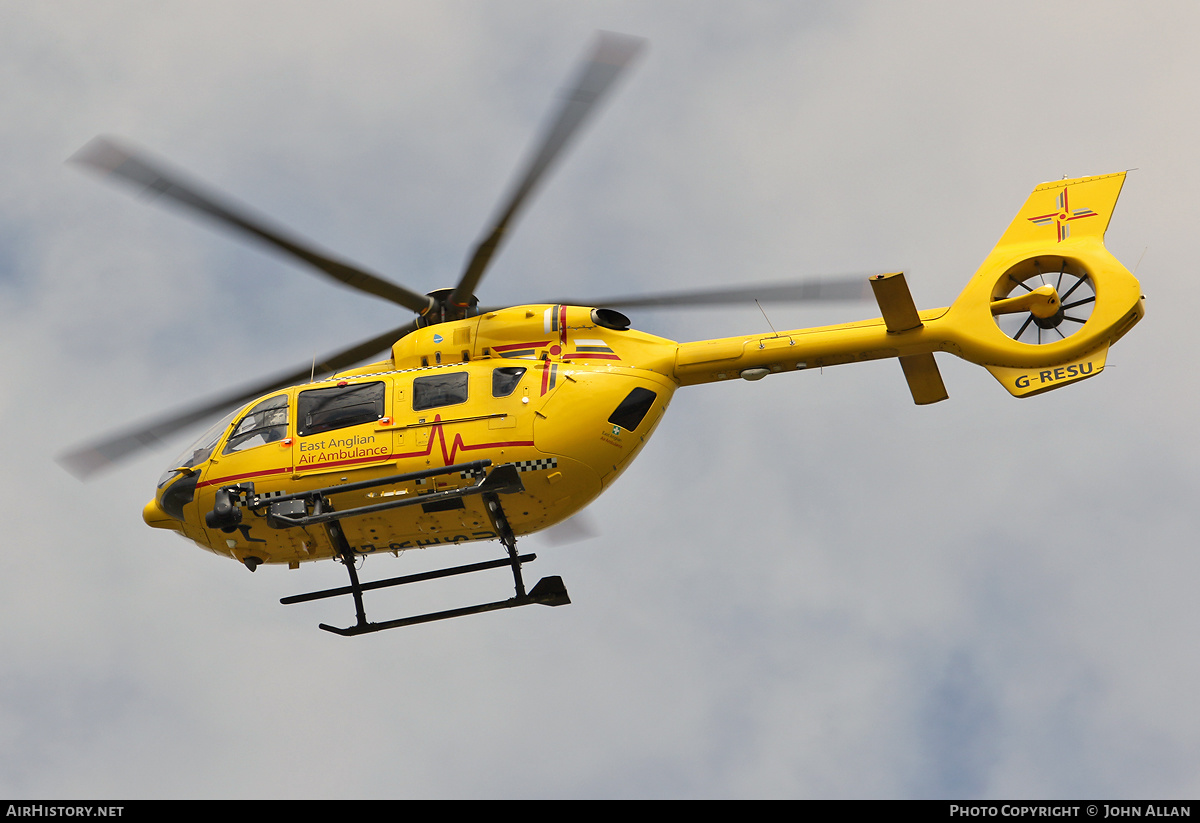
x: 1049, y: 300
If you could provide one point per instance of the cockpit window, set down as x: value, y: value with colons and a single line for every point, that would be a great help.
x: 199, y: 451
x: 505, y: 379
x: 439, y: 390
x: 322, y: 410
x: 265, y: 423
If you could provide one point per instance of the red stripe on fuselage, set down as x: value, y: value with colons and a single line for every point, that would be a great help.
x: 512, y: 346
x: 438, y: 433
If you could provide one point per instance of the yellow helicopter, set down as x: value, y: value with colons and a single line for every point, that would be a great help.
x: 492, y: 423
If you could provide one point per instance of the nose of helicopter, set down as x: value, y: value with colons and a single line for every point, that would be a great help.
x: 156, y: 518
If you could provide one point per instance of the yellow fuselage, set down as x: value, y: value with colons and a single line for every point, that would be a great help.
x: 560, y: 381
x: 568, y: 395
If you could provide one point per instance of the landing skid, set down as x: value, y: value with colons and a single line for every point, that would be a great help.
x: 549, y: 591
x: 315, y: 508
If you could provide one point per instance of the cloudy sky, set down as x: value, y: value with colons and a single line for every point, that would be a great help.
x: 805, y: 587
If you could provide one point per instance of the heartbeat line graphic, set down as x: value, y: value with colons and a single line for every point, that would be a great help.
x: 438, y: 433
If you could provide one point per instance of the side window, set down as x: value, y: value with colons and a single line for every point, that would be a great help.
x: 633, y: 408
x: 265, y: 423
x: 439, y: 390
x: 322, y: 410
x: 505, y: 380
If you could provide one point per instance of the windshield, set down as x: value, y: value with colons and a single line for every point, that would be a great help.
x: 200, y: 450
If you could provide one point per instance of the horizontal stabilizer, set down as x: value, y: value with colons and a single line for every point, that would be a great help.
x: 924, y: 379
x: 900, y: 316
x: 895, y: 302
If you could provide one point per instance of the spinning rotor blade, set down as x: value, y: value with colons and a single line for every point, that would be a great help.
x: 88, y: 460
x: 109, y: 158
x: 611, y: 54
x: 804, y: 291
x: 577, y: 528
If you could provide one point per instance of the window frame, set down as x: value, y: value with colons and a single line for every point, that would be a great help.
x: 236, y: 440
x: 438, y: 404
x: 377, y: 399
x: 508, y: 374
x: 635, y: 405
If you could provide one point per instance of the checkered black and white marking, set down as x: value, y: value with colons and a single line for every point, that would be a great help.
x: 521, y: 466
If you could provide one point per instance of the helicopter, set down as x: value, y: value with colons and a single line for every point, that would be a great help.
x: 491, y: 423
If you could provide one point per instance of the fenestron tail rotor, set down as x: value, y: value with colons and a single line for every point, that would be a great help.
x: 1043, y: 300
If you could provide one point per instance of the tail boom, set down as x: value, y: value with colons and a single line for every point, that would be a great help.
x: 1051, y: 265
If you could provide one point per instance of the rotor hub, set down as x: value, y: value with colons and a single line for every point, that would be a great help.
x: 1050, y: 322
x: 444, y: 310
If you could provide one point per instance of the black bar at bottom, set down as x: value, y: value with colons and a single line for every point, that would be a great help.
x: 367, y: 628
x: 409, y: 578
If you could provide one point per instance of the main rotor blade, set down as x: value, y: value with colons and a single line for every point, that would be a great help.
x: 87, y: 460
x: 610, y: 55
x: 803, y: 291
x: 109, y: 158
